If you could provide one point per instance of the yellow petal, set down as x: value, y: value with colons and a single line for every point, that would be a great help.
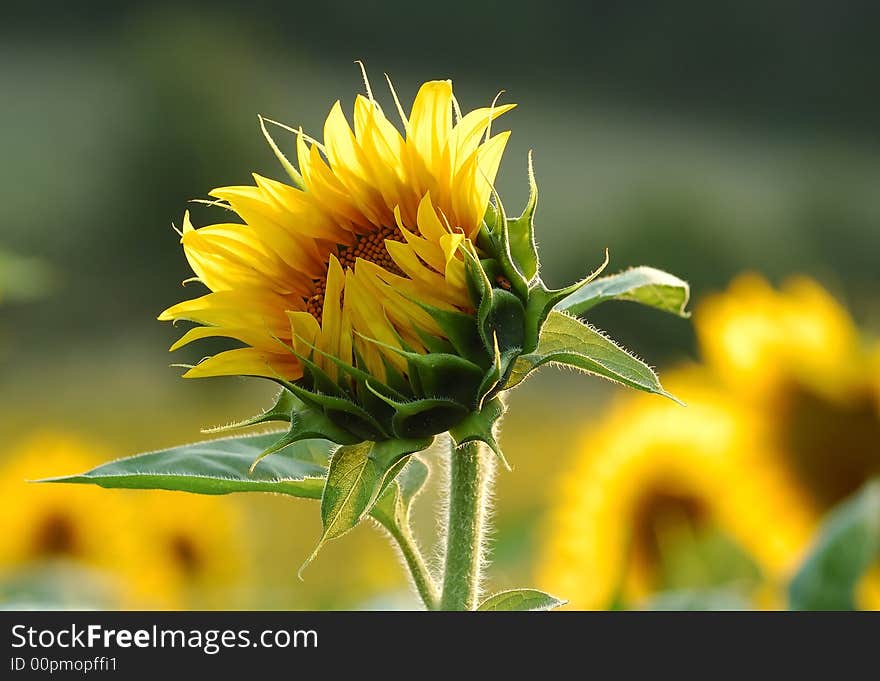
x: 331, y: 317
x: 234, y: 309
x: 409, y: 263
x: 469, y: 130
x: 257, y: 338
x: 430, y: 122
x: 429, y: 224
x: 248, y: 362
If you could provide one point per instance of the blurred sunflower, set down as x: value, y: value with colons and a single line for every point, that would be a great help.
x: 796, y: 358
x: 782, y: 424
x: 196, y: 550
x: 149, y: 550
x: 658, y: 494
x: 51, y: 524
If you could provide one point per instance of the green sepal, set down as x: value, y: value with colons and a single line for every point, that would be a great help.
x: 542, y: 300
x: 498, y: 311
x: 359, y: 375
x: 492, y: 268
x: 424, y: 417
x: 317, y: 378
x: 504, y: 316
x: 520, y: 600
x: 393, y: 378
x: 434, y: 344
x: 567, y: 340
x: 492, y: 377
x: 357, y: 475
x: 491, y: 222
x: 448, y: 376
x: 392, y: 509
x: 644, y: 285
x: 496, y: 375
x: 344, y: 413
x: 461, y: 330
x: 478, y: 284
x: 480, y: 426
x: 307, y: 423
x: 439, y: 375
x: 378, y: 409
x: 284, y: 405
x: 521, y: 232
x: 496, y: 241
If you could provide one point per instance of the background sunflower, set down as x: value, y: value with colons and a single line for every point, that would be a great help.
x: 781, y: 426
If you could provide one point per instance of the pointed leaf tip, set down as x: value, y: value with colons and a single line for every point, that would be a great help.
x: 644, y: 285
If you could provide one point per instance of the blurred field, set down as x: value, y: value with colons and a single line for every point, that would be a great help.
x: 703, y: 142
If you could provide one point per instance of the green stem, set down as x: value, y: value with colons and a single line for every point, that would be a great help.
x: 471, y: 469
x: 418, y: 569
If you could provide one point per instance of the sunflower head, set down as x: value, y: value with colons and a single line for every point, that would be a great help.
x: 660, y: 498
x: 796, y: 354
x: 382, y: 284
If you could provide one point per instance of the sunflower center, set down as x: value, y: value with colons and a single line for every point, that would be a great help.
x: 185, y: 554
x: 662, y: 519
x: 55, y: 536
x: 831, y: 445
x: 369, y: 247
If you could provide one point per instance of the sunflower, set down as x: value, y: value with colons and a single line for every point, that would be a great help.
x: 46, y: 524
x: 782, y: 423
x: 195, y: 547
x: 796, y: 356
x: 338, y: 262
x: 648, y: 484
x: 759, y: 341
x: 152, y: 550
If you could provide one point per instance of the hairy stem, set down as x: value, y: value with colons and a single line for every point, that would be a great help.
x: 471, y: 470
x: 418, y: 569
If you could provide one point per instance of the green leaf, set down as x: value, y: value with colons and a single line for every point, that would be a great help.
x: 218, y: 467
x: 566, y: 340
x: 521, y: 600
x: 644, y: 285
x: 848, y: 544
x: 356, y: 477
x: 394, y: 504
